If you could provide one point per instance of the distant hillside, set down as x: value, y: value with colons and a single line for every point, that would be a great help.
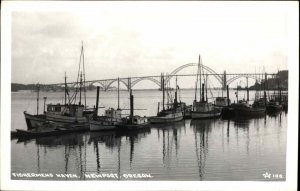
x: 281, y: 80
x: 51, y: 88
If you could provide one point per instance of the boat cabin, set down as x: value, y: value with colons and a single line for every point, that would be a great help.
x: 113, y: 113
x: 203, y: 106
x: 67, y: 110
x: 137, y: 120
x: 222, y: 101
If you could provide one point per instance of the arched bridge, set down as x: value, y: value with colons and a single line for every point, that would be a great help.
x: 129, y: 82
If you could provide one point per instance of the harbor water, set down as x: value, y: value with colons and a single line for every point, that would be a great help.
x: 217, y: 149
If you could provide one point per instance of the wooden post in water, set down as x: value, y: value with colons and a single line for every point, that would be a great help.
x: 97, y: 101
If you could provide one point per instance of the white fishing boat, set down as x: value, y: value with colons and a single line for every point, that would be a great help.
x: 203, y: 109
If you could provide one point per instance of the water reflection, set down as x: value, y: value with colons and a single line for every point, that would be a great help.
x: 171, y: 133
x: 201, y: 129
x: 75, y: 145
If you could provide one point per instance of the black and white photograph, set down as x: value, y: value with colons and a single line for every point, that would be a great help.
x: 149, y: 95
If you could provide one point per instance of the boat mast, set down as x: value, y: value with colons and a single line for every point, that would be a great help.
x: 227, y: 95
x: 206, y: 87
x: 200, y: 77
x: 65, y: 88
x: 196, y: 84
x: 131, y: 106
x: 45, y: 104
x: 80, y: 84
x: 237, y: 93
x: 118, y: 93
x: 163, y: 89
x: 84, y: 88
x: 97, y: 101
x: 37, y: 100
x: 175, y: 100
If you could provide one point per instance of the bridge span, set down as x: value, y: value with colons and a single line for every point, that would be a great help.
x: 224, y: 79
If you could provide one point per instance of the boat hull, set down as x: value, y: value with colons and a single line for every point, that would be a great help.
x: 205, y: 115
x: 61, y: 119
x: 130, y: 127
x: 101, y: 125
x: 274, y: 108
x: 174, y: 117
x: 227, y: 112
x: 250, y: 112
x: 34, y: 121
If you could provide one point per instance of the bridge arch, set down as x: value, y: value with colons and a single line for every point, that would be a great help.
x: 241, y: 76
x: 102, y: 85
x: 115, y: 80
x: 217, y: 76
x: 148, y: 78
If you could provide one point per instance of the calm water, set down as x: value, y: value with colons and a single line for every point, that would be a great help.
x: 187, y: 150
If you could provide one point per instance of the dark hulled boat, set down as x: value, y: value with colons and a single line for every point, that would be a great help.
x: 133, y: 122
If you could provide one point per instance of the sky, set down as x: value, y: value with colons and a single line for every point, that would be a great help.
x: 123, y: 39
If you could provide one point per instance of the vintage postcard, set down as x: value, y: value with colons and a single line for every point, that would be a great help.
x: 149, y: 95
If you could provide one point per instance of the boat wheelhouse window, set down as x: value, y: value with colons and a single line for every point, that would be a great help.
x: 135, y: 120
x: 57, y: 108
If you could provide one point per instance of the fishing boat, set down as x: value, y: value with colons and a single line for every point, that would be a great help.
x: 68, y: 113
x: 109, y: 121
x: 227, y: 111
x: 33, y: 121
x: 257, y: 109
x: 203, y: 109
x: 245, y: 110
x: 275, y: 103
x: 133, y: 122
x: 171, y: 114
x: 222, y: 102
x: 274, y: 106
x: 49, y: 128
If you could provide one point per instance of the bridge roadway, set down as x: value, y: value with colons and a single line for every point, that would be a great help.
x: 224, y: 79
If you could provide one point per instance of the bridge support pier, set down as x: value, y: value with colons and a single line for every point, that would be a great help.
x: 224, y: 80
x: 129, y: 84
x: 161, y: 81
